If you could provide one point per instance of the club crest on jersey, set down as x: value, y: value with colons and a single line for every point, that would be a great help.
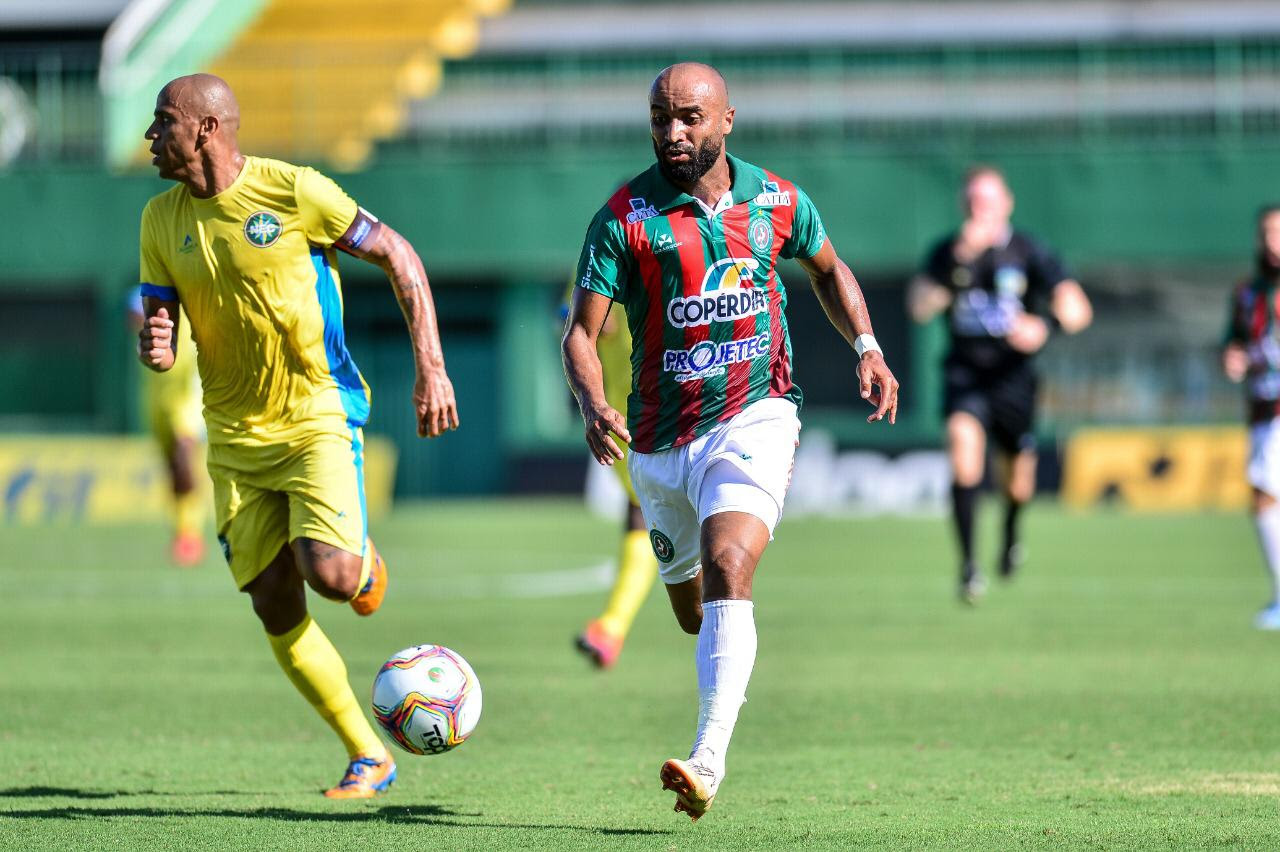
x: 263, y: 229
x: 761, y: 234
x: 640, y: 210
x: 1011, y: 281
x: 728, y: 294
x: 187, y: 246
x: 772, y: 195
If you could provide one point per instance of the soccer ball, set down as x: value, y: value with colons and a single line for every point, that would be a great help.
x: 427, y: 699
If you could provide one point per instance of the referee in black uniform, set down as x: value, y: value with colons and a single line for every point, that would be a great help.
x: 1003, y: 291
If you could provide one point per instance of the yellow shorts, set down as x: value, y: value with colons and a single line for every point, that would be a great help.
x: 265, y: 497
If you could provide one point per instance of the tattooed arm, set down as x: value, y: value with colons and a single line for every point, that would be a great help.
x: 375, y: 242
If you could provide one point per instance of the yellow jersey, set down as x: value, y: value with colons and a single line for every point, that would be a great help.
x: 613, y: 345
x: 256, y: 273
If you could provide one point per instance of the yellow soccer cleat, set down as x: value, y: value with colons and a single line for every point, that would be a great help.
x: 695, y: 786
x: 365, y: 778
x: 369, y: 598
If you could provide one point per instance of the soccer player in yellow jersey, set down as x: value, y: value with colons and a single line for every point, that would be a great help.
x: 246, y: 246
x: 171, y: 406
x: 602, y: 639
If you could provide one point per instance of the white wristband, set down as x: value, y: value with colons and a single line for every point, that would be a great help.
x: 866, y: 343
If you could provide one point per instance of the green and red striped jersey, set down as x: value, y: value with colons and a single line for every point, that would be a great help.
x: 704, y: 303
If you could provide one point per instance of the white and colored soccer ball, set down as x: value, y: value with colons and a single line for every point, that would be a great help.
x: 427, y: 699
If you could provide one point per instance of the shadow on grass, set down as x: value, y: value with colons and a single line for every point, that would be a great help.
x: 76, y: 793
x: 396, y: 814
x: 59, y: 792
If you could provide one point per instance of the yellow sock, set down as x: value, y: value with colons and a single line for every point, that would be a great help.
x: 188, y: 513
x: 637, y: 569
x: 366, y: 567
x: 312, y: 663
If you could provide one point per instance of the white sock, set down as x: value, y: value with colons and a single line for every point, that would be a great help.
x: 726, y: 655
x: 1268, y: 523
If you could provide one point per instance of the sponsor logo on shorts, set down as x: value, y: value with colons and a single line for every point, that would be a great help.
x: 640, y: 210
x: 263, y: 228
x: 761, y: 234
x: 708, y: 358
x: 728, y: 294
x: 662, y: 546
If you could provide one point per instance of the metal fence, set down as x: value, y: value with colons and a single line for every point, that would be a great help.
x: 50, y: 107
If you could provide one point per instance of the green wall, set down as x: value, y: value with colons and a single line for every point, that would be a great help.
x: 499, y: 235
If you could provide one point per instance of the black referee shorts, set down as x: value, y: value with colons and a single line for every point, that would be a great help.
x: 1003, y: 402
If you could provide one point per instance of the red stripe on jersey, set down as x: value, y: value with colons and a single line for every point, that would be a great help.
x: 735, y: 221
x: 693, y: 270
x: 1258, y: 322
x: 783, y: 220
x: 646, y: 424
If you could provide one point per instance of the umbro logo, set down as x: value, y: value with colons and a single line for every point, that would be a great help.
x: 665, y: 242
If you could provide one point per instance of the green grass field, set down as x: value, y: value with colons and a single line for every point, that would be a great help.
x: 1115, y: 696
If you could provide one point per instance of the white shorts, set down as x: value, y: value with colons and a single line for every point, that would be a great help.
x: 1264, y: 456
x: 742, y: 465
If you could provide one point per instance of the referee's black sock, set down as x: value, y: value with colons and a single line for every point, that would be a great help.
x: 1009, y: 557
x: 963, y: 500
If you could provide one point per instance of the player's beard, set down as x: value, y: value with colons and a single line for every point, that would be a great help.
x: 686, y: 173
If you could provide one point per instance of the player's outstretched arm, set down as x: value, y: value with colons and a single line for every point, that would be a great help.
x: 841, y: 298
x: 1071, y: 306
x: 587, y: 314
x: 926, y: 298
x: 433, y: 398
x: 156, y: 339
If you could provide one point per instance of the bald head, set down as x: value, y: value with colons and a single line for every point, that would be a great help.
x: 689, y: 116
x: 695, y: 79
x: 201, y: 96
x: 193, y: 134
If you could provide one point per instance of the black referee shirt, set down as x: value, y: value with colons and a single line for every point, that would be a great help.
x: 988, y: 293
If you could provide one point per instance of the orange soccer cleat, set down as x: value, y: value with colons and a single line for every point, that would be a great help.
x: 187, y: 549
x: 599, y: 645
x: 365, y: 778
x: 369, y: 598
x: 695, y: 785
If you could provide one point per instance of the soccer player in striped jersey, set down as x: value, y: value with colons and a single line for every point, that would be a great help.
x: 1252, y: 355
x: 247, y: 247
x: 689, y: 248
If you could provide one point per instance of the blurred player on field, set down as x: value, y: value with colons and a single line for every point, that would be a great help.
x: 246, y: 247
x: 604, y: 636
x: 689, y: 247
x: 1252, y: 355
x: 171, y: 406
x: 1003, y: 292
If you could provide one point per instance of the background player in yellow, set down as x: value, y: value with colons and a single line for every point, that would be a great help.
x: 171, y: 409
x: 245, y: 246
x: 602, y: 639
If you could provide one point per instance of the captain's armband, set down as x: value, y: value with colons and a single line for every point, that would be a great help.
x: 362, y: 234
